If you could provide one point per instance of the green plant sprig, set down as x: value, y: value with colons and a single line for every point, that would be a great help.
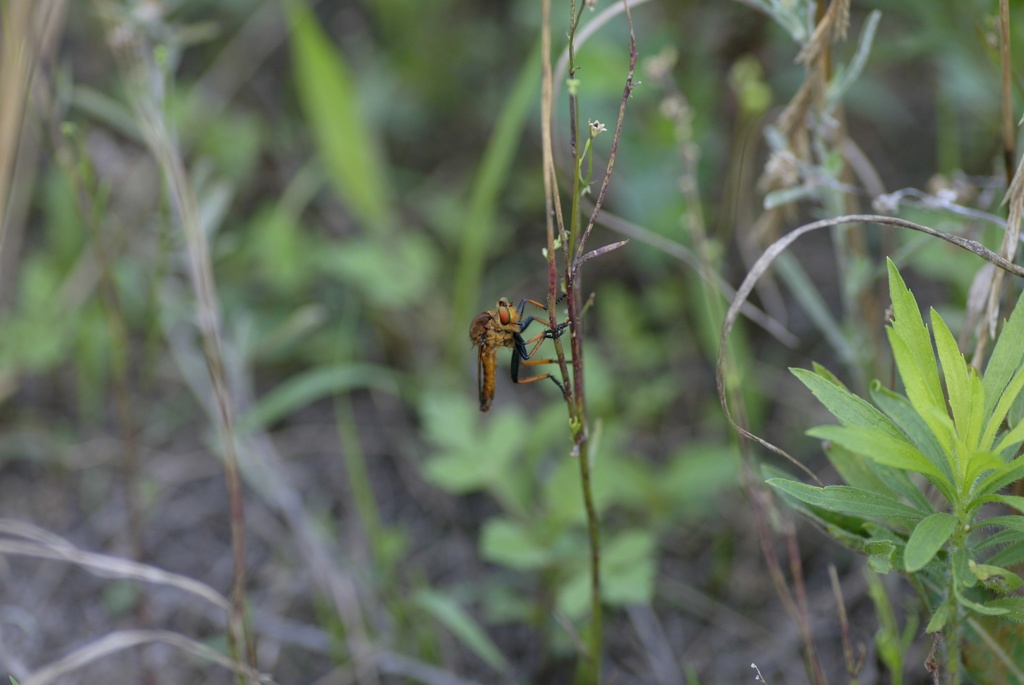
x: 962, y: 432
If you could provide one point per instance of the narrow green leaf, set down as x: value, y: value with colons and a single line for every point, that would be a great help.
x: 985, y: 609
x: 905, y: 417
x: 913, y: 352
x: 810, y: 298
x: 1001, y: 477
x: 856, y: 470
x: 1007, y: 357
x: 927, y: 539
x: 962, y: 384
x: 1011, y: 440
x: 1014, y: 501
x: 1013, y: 389
x: 850, y: 409
x: 981, y: 461
x: 478, y: 236
x: 846, y: 76
x: 940, y: 618
x: 880, y: 446
x: 1011, y: 522
x: 330, y: 99
x: 1010, y: 555
x: 447, y: 612
x: 307, y: 387
x: 1015, y: 605
x: 849, y: 500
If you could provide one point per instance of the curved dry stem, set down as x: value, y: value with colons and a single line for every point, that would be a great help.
x: 780, y: 246
x: 25, y: 539
x: 126, y: 639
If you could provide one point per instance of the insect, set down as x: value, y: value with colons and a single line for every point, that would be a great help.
x: 503, y: 327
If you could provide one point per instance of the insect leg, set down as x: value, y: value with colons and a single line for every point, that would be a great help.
x: 520, y: 357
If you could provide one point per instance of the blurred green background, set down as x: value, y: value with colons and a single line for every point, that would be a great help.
x: 368, y: 179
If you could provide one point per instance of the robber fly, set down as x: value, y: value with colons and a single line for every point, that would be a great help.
x: 503, y: 327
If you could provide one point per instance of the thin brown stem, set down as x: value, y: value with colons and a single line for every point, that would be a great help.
x: 137, y: 65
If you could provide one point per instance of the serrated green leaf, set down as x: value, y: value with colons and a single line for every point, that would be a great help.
x: 447, y: 612
x: 849, y: 500
x: 912, y: 346
x: 927, y: 539
x: 510, y: 543
x: 330, y: 99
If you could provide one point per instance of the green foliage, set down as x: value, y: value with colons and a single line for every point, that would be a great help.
x: 448, y: 613
x: 331, y: 99
x: 961, y: 448
x: 542, y: 529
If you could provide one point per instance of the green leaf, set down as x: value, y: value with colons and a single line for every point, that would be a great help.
x: 850, y: 409
x: 909, y: 422
x: 331, y: 99
x: 849, y: 500
x: 1013, y: 389
x: 477, y: 236
x: 513, y: 544
x: 981, y: 461
x: 307, y: 387
x: 1014, y: 501
x: 927, y: 539
x: 1012, y: 522
x: 1006, y: 360
x: 912, y: 346
x: 996, y: 577
x: 940, y: 618
x: 470, y: 459
x: 856, y: 470
x: 1001, y: 477
x: 985, y: 609
x: 628, y: 566
x: 448, y: 613
x: 881, y: 446
x: 964, y: 387
x: 627, y: 574
x: 391, y: 275
x: 1011, y: 440
x: 847, y: 74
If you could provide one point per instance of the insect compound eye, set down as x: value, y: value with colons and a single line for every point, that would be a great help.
x: 504, y: 315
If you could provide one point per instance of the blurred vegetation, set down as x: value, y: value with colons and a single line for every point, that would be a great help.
x: 368, y: 177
